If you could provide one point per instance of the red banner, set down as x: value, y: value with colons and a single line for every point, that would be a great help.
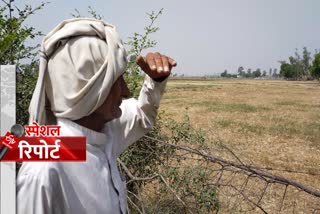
x: 58, y: 148
x: 9, y: 140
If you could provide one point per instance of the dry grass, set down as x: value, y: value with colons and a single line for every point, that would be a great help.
x: 268, y: 123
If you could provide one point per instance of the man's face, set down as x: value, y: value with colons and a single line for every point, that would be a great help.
x: 110, y: 109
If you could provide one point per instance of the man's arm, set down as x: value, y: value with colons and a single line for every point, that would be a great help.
x: 138, y: 116
x: 34, y: 190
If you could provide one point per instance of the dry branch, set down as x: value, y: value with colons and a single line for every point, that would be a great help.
x: 133, y: 178
x: 268, y: 177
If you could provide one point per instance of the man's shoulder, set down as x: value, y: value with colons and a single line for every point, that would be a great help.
x: 39, y: 171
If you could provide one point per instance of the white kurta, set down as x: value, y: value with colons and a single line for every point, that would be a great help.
x: 94, y: 186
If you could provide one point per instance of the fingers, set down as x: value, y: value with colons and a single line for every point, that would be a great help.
x: 141, y: 62
x: 151, y: 62
x: 172, y: 62
x: 156, y: 65
x: 159, y: 63
x: 165, y: 63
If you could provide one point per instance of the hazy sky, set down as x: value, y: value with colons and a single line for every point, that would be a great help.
x: 207, y: 36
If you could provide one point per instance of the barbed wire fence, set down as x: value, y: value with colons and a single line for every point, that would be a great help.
x: 191, y: 179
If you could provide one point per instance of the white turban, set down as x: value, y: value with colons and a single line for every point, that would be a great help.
x: 80, y: 60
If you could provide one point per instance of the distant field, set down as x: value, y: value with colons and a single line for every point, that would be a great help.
x: 267, y: 123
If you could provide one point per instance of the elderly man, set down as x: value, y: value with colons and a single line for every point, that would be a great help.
x: 81, y: 88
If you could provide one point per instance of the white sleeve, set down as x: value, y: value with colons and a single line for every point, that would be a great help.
x: 33, y: 195
x: 39, y: 190
x: 138, y: 116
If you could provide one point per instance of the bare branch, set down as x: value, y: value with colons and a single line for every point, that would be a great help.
x: 132, y: 177
x: 135, y: 206
x: 262, y: 174
x: 175, y: 194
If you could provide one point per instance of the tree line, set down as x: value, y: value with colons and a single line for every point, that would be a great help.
x: 299, y: 67
x: 249, y: 73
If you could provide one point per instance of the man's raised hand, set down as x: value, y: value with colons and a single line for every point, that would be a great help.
x: 156, y: 65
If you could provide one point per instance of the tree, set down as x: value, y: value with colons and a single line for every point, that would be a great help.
x: 224, y: 74
x: 287, y: 71
x: 139, y: 42
x: 306, y: 59
x: 249, y: 73
x: 264, y: 73
x: 241, y: 71
x: 13, y: 33
x: 13, y: 48
x: 257, y: 73
x: 315, y: 67
x: 300, y: 66
x: 275, y: 73
x: 26, y: 81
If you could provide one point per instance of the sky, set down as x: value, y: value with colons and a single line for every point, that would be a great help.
x: 205, y: 37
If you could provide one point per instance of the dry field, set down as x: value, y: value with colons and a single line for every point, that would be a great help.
x: 266, y: 123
